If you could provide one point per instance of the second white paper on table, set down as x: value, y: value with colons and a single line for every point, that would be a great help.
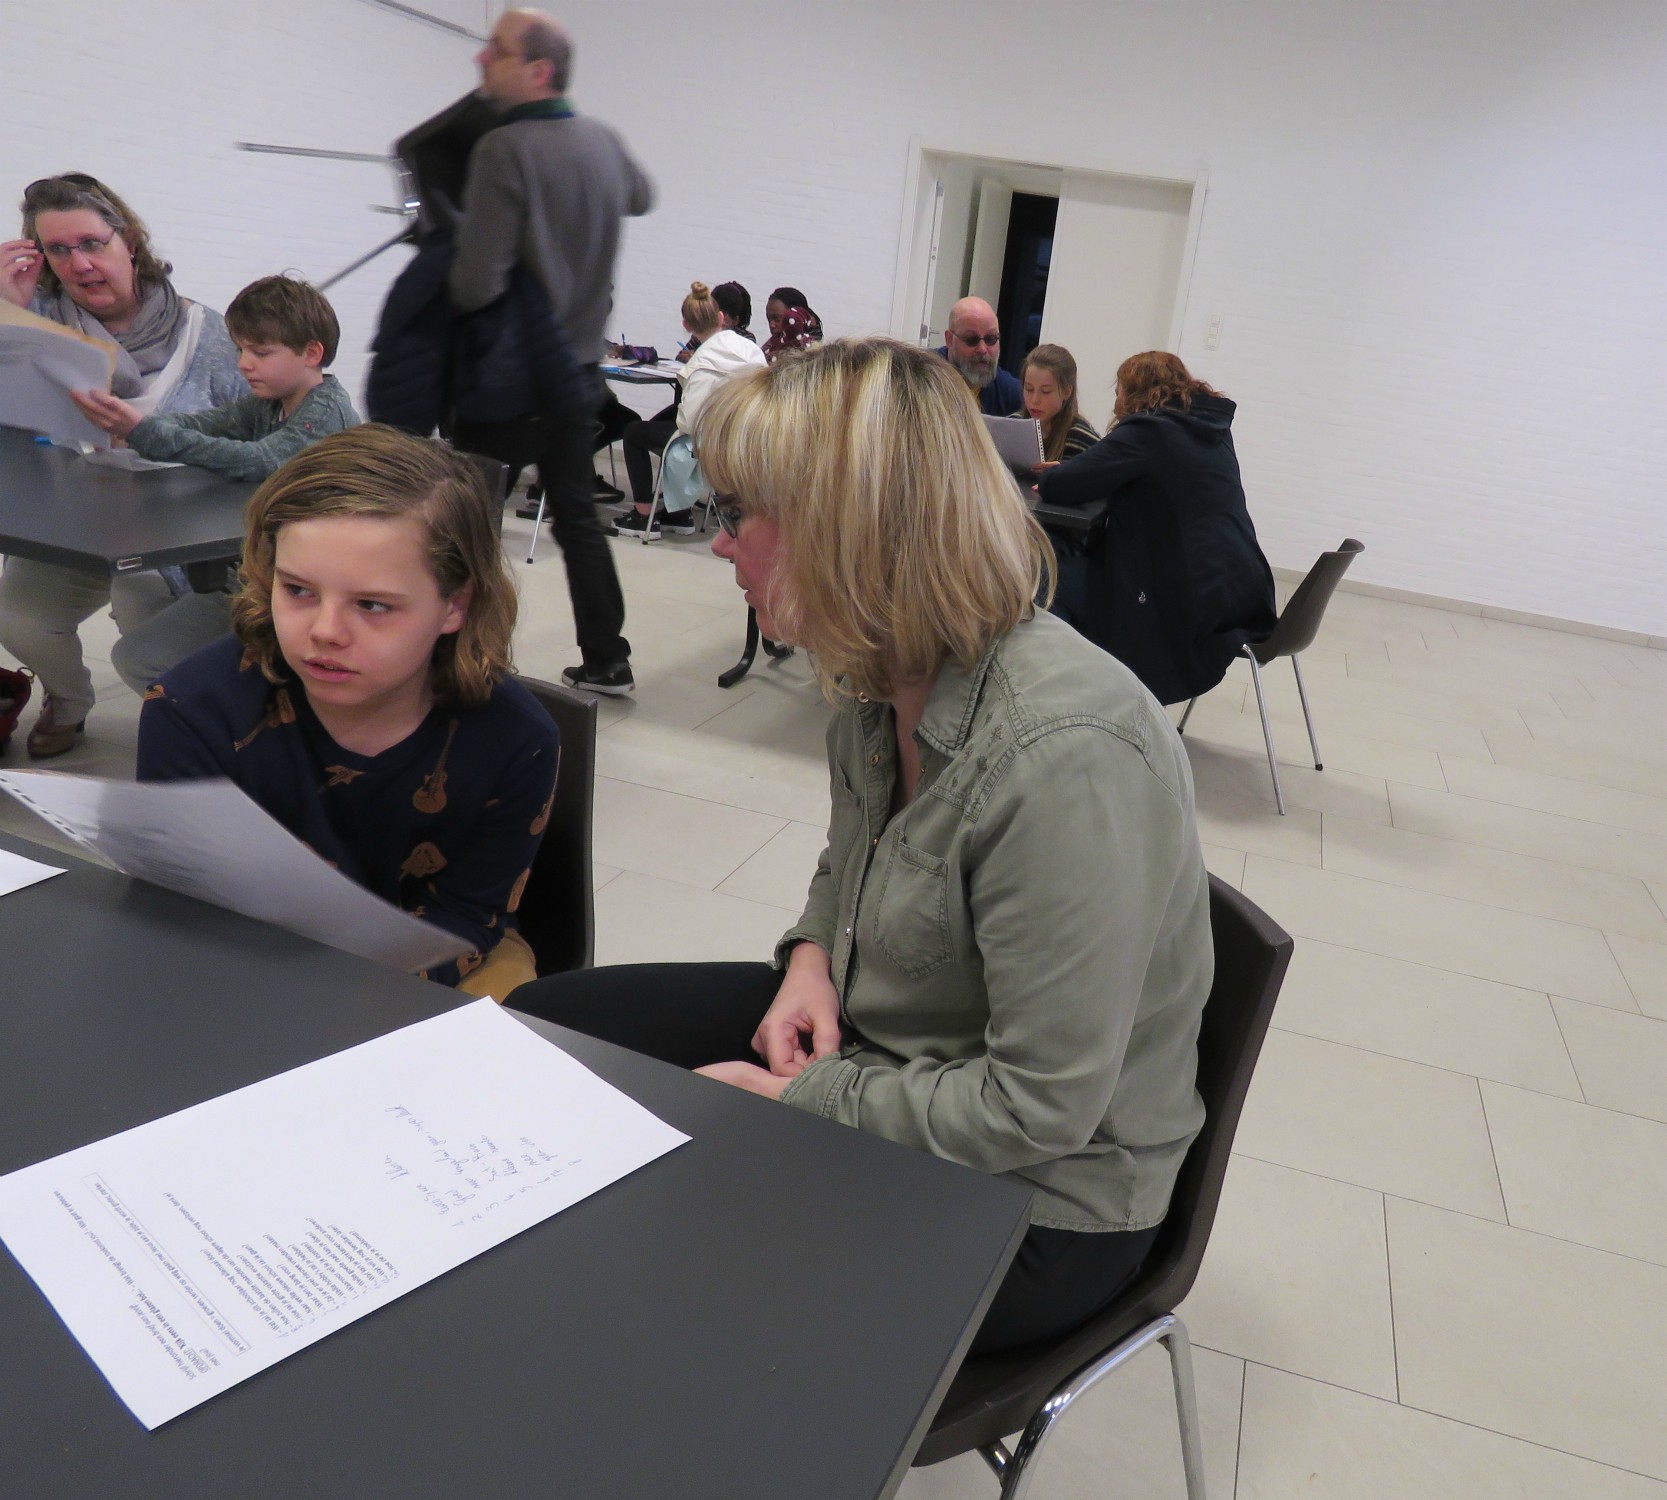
x: 16, y: 872
x: 187, y: 1254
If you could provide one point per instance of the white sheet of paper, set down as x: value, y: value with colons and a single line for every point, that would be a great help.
x: 187, y: 1254
x: 40, y: 364
x: 126, y: 458
x: 1018, y: 440
x: 207, y: 839
x: 16, y: 872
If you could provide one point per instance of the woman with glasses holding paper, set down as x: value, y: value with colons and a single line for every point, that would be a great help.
x: 85, y: 260
x: 1005, y: 948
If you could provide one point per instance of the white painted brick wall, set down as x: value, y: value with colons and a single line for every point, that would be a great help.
x: 1435, y: 232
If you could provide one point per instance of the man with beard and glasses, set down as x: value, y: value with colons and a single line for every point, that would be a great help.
x: 972, y: 343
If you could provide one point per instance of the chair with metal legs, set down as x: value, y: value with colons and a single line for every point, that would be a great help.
x: 538, y: 516
x: 1032, y: 1389
x: 1294, y: 632
x: 657, y: 501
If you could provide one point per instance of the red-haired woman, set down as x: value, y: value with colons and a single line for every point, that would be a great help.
x: 1176, y: 582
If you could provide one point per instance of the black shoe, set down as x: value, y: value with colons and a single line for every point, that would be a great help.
x: 677, y: 522
x: 633, y: 523
x: 527, y: 512
x: 604, y: 493
x: 616, y: 681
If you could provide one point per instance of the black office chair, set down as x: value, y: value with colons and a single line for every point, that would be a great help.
x: 557, y: 914
x: 497, y: 476
x: 1294, y: 632
x: 1033, y: 1388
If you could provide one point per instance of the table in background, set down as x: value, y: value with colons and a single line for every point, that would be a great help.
x: 772, y: 1309
x: 661, y: 372
x: 56, y: 507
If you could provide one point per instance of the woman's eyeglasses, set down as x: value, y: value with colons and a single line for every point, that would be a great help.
x: 730, y: 513
x: 89, y: 247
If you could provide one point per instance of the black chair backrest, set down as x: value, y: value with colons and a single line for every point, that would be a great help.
x: 496, y: 474
x: 1252, y: 952
x: 997, y: 1395
x: 1299, y: 621
x: 557, y: 914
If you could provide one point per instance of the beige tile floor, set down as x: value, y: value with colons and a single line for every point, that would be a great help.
x: 1440, y: 1267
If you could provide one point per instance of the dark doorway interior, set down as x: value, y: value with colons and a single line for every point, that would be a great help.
x: 1024, y: 275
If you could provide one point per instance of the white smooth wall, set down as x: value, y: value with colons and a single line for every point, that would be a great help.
x: 1435, y: 232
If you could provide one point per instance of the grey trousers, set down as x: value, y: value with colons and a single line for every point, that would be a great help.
x: 42, y: 606
x: 188, y: 624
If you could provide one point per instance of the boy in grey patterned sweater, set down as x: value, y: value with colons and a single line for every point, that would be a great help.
x: 286, y: 333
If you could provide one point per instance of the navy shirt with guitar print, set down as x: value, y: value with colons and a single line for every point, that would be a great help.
x: 443, y: 825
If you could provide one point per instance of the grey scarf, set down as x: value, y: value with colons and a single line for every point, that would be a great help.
x: 145, y: 347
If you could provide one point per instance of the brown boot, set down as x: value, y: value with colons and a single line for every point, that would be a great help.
x: 49, y: 738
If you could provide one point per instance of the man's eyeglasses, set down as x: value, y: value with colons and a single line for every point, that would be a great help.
x: 973, y: 340
x: 730, y: 513
x: 88, y: 247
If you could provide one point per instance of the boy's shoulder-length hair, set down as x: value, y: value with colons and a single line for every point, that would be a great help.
x: 378, y: 471
x: 904, y: 540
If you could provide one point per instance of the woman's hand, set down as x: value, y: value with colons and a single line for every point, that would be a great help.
x: 746, y: 1076
x: 20, y: 270
x: 805, y: 1013
x: 108, y: 413
x: 1043, y: 468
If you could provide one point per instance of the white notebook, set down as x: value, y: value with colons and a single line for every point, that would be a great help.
x: 1018, y: 440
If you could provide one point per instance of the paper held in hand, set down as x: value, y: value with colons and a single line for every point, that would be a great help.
x: 206, y: 839
x: 41, y: 362
x: 187, y: 1254
x: 1018, y: 440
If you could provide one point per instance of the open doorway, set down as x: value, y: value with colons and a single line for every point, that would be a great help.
x: 1107, y: 279
x: 1027, y: 256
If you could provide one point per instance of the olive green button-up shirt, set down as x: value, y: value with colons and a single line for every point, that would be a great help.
x: 1023, y: 951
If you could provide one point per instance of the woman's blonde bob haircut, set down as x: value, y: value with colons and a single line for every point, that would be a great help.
x: 905, y: 543
x: 381, y: 472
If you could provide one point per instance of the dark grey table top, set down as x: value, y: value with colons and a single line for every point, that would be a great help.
x: 773, y: 1309
x: 56, y: 507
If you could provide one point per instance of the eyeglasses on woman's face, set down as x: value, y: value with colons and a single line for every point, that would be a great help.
x: 90, y: 246
x: 730, y: 513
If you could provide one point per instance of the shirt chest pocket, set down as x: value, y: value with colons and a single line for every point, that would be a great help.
x: 911, y: 917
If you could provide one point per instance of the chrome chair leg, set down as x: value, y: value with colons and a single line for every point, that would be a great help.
x: 1015, y: 1470
x: 1302, y: 693
x: 654, y: 503
x: 538, y: 522
x: 1186, y: 1407
x: 1181, y: 728
x: 1267, y: 731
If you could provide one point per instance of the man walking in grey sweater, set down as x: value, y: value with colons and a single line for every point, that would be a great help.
x: 546, y: 191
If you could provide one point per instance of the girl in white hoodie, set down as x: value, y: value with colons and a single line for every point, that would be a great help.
x: 723, y: 354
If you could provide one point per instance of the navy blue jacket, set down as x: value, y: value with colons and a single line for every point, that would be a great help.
x: 1178, y: 582
x: 430, y: 367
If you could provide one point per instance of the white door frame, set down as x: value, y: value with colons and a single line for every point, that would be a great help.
x: 905, y: 311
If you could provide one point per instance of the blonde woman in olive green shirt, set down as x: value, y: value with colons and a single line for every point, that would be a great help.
x: 1005, y: 949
